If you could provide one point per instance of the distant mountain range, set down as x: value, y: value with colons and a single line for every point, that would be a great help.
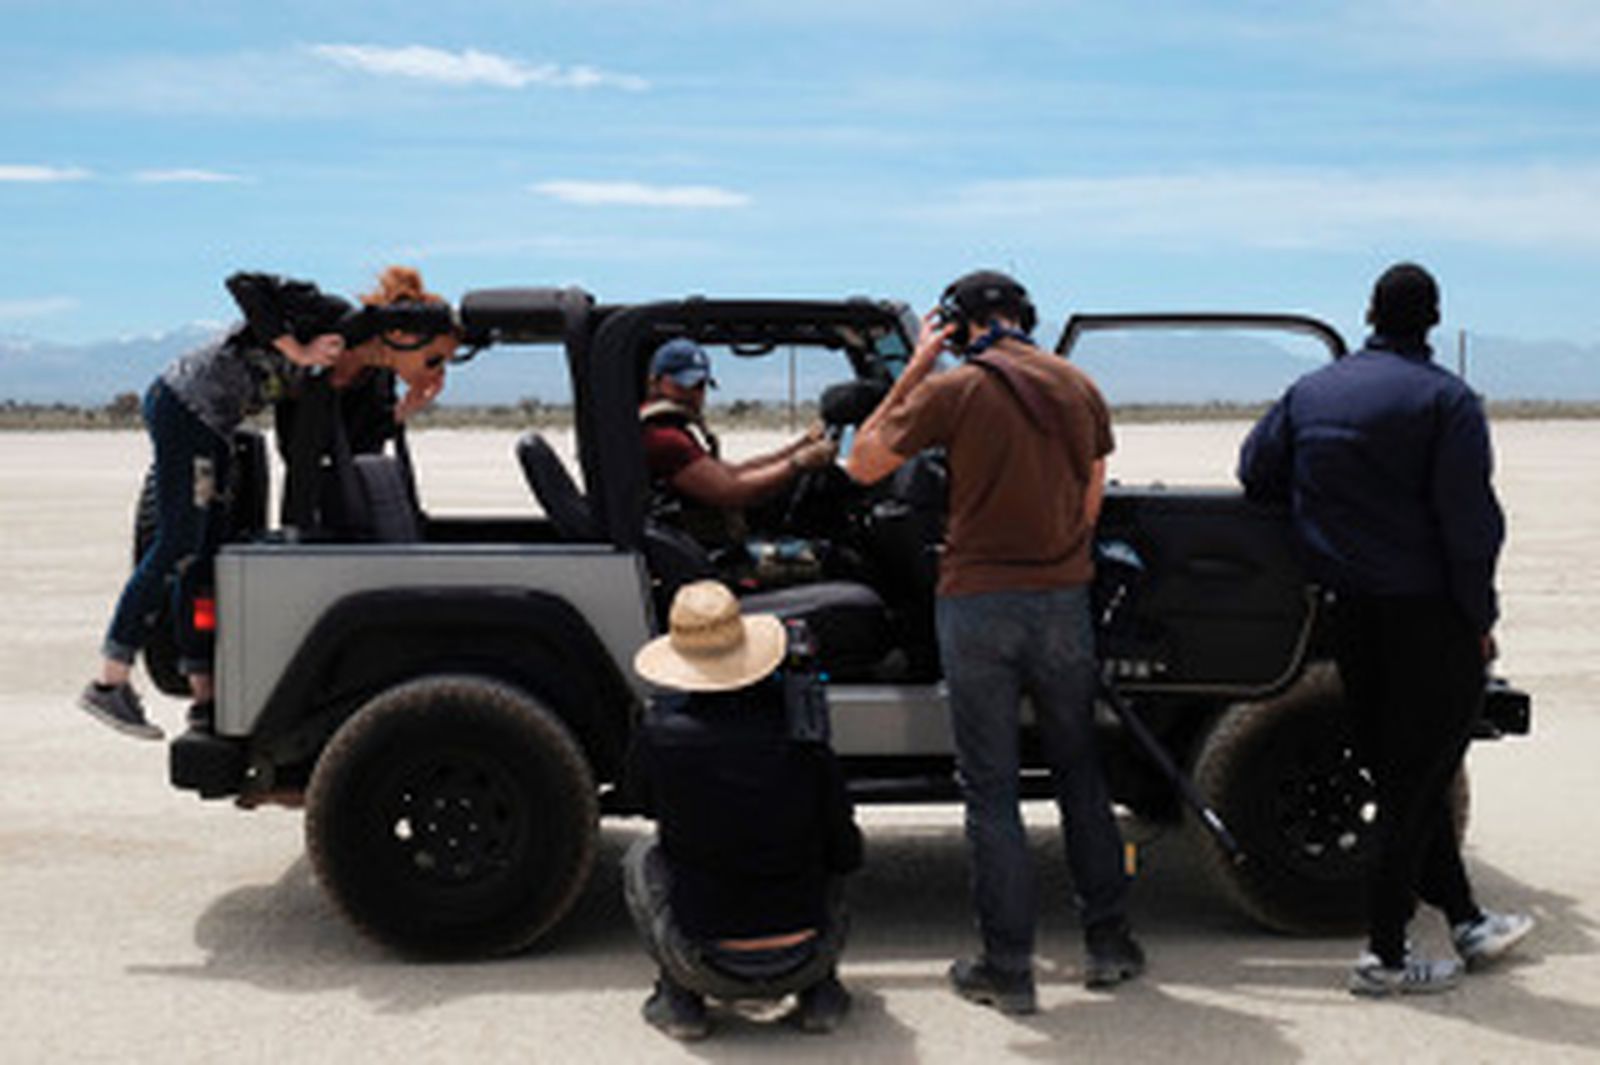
x: 1139, y: 367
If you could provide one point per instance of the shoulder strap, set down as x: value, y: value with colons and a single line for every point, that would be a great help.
x: 1044, y: 416
x: 673, y: 413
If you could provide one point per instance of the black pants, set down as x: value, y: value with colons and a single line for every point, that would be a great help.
x: 1413, y: 675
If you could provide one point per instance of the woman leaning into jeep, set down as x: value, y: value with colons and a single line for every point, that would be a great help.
x: 353, y: 408
x: 291, y: 333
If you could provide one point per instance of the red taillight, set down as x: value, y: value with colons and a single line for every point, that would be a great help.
x: 205, y: 615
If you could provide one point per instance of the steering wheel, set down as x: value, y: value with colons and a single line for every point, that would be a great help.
x: 810, y: 483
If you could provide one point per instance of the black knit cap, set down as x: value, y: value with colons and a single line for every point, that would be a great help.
x: 1405, y: 301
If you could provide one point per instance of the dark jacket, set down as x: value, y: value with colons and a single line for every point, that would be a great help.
x: 307, y: 426
x: 753, y: 823
x: 1384, y: 459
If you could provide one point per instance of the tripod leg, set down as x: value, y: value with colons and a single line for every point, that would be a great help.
x: 1191, y: 794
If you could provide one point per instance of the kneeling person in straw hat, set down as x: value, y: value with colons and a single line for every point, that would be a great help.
x: 739, y: 895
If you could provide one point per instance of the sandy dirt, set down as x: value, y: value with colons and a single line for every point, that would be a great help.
x: 140, y: 924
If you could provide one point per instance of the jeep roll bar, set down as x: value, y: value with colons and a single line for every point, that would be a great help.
x: 524, y: 316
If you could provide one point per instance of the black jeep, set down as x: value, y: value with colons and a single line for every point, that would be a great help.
x: 452, y: 697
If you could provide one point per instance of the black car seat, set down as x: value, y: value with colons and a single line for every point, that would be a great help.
x: 382, y: 507
x: 553, y: 487
x: 849, y: 620
x: 673, y: 557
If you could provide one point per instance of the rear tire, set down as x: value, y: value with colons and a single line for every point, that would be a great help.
x: 1284, y: 778
x: 453, y: 816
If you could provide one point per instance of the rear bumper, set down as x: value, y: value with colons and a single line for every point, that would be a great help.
x: 1507, y: 711
x: 210, y: 765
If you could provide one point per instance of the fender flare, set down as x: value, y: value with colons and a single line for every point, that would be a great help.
x: 372, y: 640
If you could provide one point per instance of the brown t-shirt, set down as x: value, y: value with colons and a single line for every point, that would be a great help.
x: 1016, y: 517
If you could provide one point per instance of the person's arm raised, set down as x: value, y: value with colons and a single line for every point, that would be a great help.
x: 871, y: 460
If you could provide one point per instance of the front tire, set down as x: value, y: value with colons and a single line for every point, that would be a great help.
x: 453, y: 816
x: 1284, y: 777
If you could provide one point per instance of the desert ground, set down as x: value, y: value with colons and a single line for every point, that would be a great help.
x: 140, y: 924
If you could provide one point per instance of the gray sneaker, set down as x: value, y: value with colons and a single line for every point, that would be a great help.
x: 1489, y: 937
x: 120, y: 708
x: 1417, y: 976
x: 977, y: 981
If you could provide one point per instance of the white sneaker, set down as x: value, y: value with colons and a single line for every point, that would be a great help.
x: 1417, y: 976
x: 1489, y: 937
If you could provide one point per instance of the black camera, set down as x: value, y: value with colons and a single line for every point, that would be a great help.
x: 950, y: 314
x: 805, y: 696
x: 424, y: 320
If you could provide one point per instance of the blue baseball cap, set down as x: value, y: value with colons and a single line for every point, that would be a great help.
x: 684, y: 361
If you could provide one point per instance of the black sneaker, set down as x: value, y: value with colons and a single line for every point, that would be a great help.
x: 822, y: 1006
x: 1009, y: 992
x: 1113, y: 955
x: 119, y: 707
x: 677, y: 1012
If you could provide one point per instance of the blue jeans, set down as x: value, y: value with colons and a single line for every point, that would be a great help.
x: 191, y: 469
x: 996, y: 648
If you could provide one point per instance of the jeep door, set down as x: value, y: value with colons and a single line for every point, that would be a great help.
x: 1221, y: 604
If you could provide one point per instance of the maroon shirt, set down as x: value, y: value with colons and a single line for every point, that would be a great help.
x: 669, y: 450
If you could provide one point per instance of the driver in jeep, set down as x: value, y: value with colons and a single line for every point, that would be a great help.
x: 692, y: 486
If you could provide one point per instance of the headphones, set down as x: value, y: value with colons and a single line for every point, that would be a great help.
x: 978, y: 297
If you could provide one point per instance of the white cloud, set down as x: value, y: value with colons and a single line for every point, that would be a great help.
x: 468, y: 67
x: 16, y: 310
x: 635, y: 194
x: 184, y: 176
x: 1543, y: 207
x: 40, y: 174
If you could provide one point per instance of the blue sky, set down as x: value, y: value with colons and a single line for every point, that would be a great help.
x: 1133, y: 156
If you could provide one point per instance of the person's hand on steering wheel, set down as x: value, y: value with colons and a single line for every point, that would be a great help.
x: 815, y: 454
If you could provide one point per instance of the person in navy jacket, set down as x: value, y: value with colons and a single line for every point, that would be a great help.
x: 1383, y: 457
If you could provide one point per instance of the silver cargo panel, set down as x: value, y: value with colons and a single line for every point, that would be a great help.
x: 269, y: 597
x: 890, y: 719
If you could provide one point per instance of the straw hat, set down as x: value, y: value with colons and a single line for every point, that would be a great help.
x: 709, y: 646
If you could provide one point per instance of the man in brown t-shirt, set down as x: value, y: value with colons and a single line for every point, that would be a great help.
x: 1026, y: 435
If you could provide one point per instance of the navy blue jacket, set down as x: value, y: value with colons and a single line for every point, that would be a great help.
x: 1384, y: 459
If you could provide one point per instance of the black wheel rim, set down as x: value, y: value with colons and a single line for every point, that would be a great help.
x: 1323, y: 807
x: 451, y: 819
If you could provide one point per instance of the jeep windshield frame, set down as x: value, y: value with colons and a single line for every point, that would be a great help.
x: 609, y: 381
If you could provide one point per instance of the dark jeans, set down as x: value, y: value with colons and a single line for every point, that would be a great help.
x: 191, y: 469
x: 702, y: 967
x: 996, y: 647
x: 1413, y: 676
